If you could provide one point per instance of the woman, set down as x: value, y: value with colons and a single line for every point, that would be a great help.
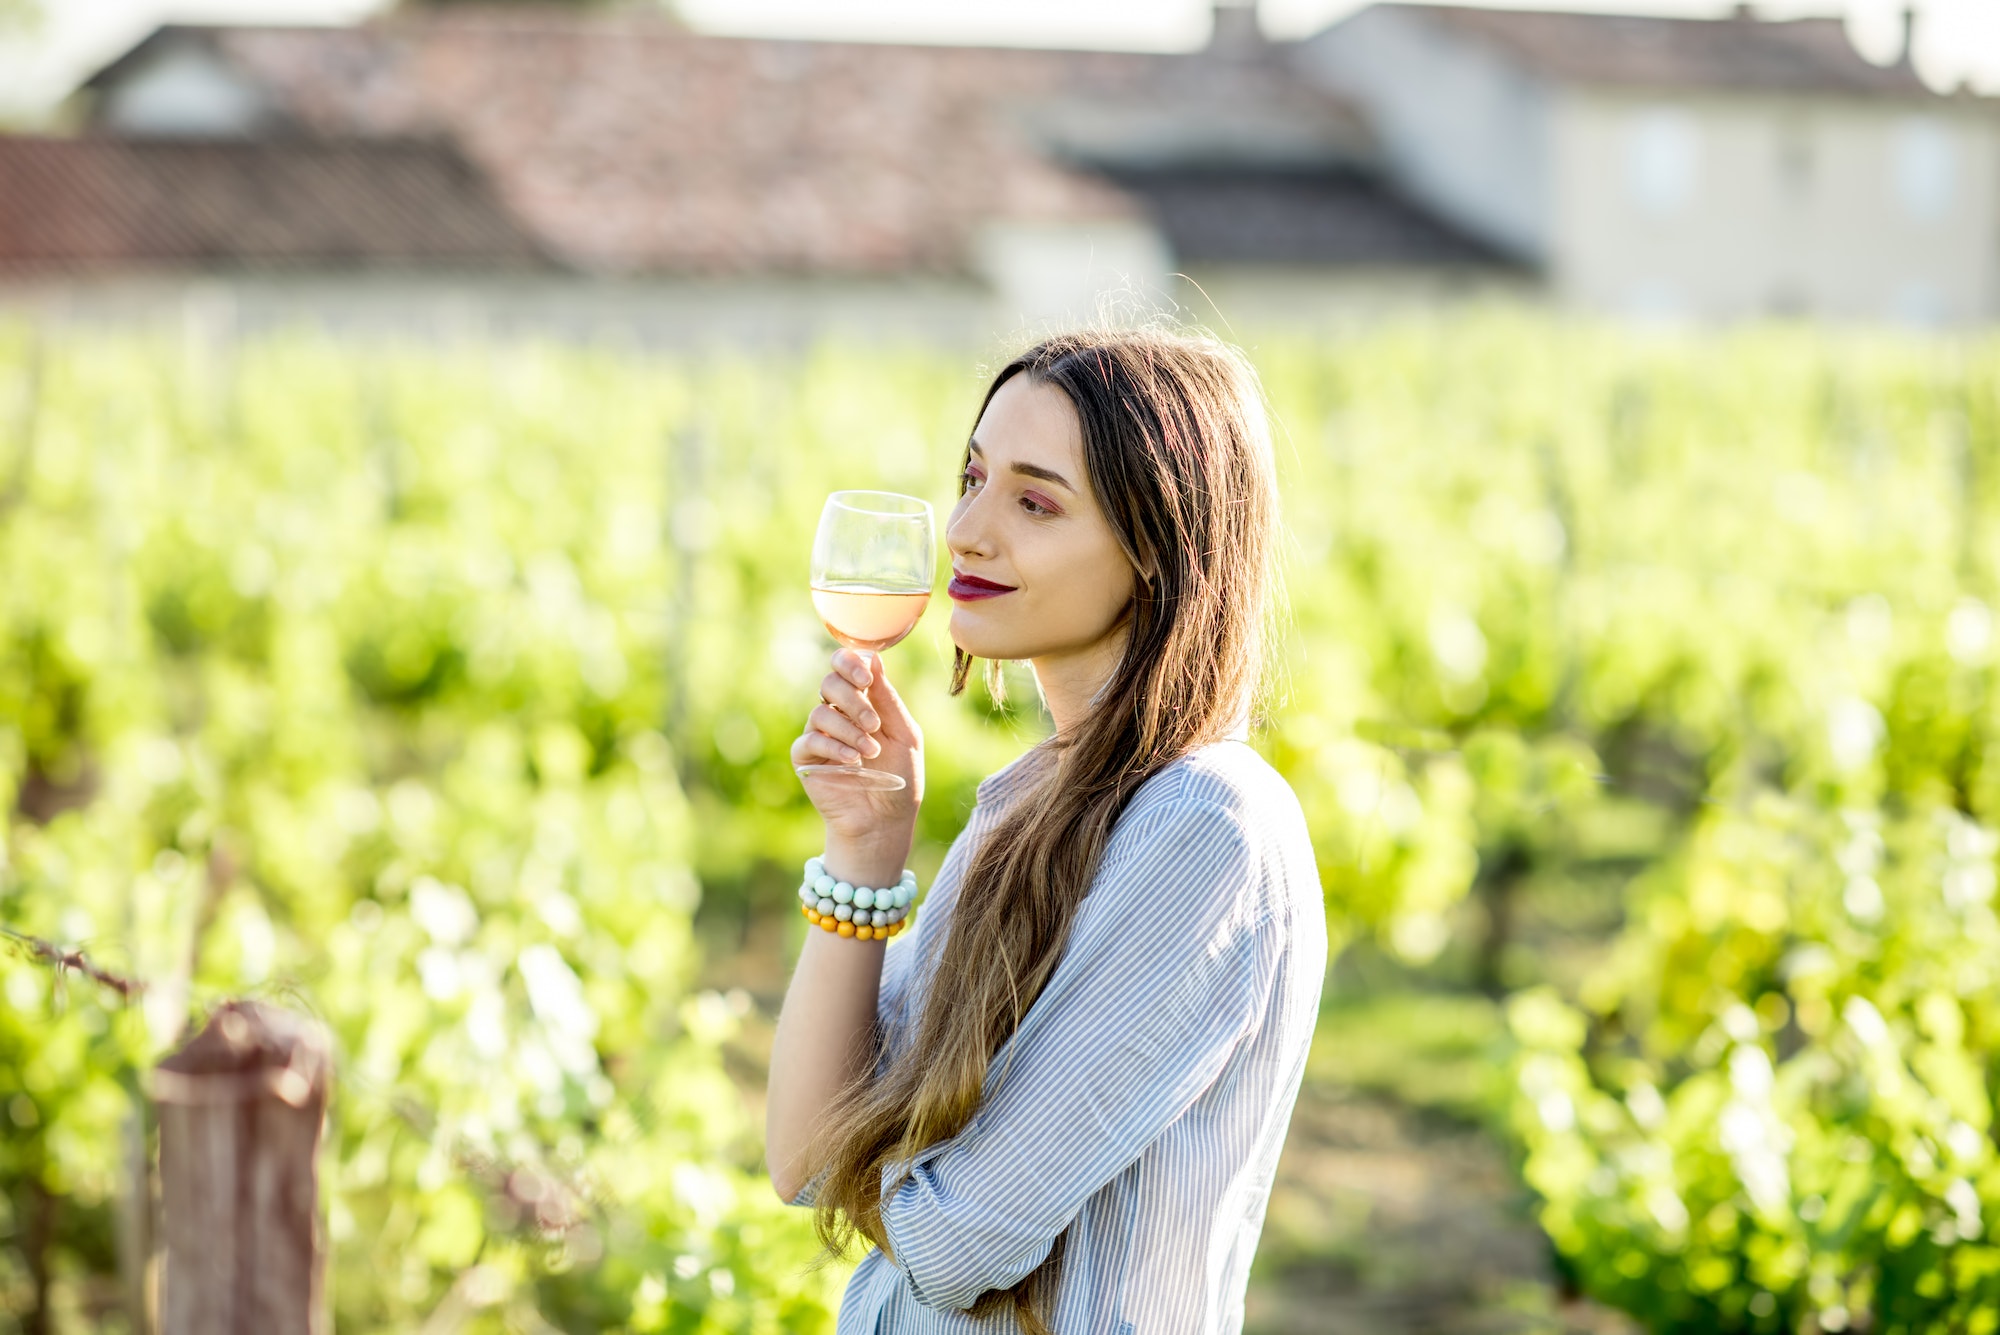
x: 1059, y: 1105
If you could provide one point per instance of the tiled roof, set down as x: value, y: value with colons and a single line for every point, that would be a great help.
x: 1794, y: 55
x: 1277, y: 216
x: 626, y: 143
x: 116, y: 203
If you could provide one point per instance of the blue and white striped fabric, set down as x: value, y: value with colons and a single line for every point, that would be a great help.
x: 1150, y: 1083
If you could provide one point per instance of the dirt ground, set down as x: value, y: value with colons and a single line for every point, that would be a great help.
x: 1389, y: 1221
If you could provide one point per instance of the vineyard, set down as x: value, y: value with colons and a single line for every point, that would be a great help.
x: 1640, y: 691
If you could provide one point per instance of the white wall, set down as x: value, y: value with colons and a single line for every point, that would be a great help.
x: 1719, y: 206
x: 1464, y: 132
x: 1059, y: 273
x: 1231, y: 300
x: 670, y: 313
x: 182, y: 88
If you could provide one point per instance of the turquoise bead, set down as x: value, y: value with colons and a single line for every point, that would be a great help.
x: 843, y: 893
x: 864, y: 898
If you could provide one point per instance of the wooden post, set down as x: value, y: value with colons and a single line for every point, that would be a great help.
x: 241, y: 1109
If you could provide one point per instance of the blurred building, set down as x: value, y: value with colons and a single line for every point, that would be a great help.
x: 611, y: 173
x: 641, y: 179
x: 1683, y: 167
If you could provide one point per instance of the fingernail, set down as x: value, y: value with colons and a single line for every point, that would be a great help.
x: 874, y: 747
x: 849, y: 753
x: 870, y: 721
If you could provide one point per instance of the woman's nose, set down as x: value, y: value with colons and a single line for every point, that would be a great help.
x: 965, y: 532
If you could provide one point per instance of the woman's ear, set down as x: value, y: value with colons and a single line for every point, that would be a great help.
x: 1148, y: 564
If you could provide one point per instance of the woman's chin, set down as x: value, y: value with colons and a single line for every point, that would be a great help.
x: 976, y: 634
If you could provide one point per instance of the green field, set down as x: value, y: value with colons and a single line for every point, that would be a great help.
x: 1639, y: 690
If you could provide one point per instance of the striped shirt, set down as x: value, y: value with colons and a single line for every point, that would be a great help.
x: 1151, y: 1081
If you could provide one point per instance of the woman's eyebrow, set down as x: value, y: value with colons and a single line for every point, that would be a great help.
x: 1030, y: 470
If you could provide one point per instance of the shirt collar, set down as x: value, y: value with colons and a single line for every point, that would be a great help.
x: 1024, y: 769
x: 1012, y: 776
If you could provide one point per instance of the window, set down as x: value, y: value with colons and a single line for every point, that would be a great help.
x: 1926, y: 163
x: 1662, y: 159
x: 1795, y: 159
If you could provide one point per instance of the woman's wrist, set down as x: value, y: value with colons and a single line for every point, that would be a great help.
x: 874, y: 860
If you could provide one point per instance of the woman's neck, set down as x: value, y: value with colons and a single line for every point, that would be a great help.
x: 1070, y: 682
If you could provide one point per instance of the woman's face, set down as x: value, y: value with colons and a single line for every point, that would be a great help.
x: 1036, y: 570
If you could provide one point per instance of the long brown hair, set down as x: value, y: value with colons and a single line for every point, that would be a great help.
x: 1177, y: 450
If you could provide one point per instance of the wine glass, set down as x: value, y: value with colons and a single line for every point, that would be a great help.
x: 874, y: 561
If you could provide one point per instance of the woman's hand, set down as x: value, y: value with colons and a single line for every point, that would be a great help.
x: 861, y: 716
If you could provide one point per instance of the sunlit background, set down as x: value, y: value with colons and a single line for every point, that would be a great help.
x: 412, y: 425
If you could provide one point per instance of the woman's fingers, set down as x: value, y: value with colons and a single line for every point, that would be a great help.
x: 840, y: 692
x: 895, y: 714
x: 856, y: 667
x: 816, y: 748
x: 826, y: 719
x: 860, y: 691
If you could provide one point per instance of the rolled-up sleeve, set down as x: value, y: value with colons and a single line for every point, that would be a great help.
x: 1129, y: 1032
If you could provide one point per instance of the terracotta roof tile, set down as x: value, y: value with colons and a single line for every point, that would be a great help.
x: 107, y: 203
x: 627, y: 143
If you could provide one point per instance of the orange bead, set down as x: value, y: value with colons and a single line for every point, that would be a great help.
x: 895, y: 928
x: 864, y: 933
x: 826, y: 922
x: 812, y: 915
x: 845, y: 929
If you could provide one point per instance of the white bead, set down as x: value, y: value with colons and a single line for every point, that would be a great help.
x: 896, y: 915
x: 878, y: 919
x: 807, y: 896
x: 909, y: 877
x: 825, y: 906
x: 844, y: 912
x: 823, y: 883
x: 843, y: 893
x: 864, y: 898
x: 814, y: 868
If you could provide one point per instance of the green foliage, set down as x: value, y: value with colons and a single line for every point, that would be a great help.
x: 1777, y: 1103
x: 342, y: 677
x: 436, y: 692
x: 1769, y: 1108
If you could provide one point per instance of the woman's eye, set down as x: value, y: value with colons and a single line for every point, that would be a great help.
x: 966, y: 480
x: 1035, y: 507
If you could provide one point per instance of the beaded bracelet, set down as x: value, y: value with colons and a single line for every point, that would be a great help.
x: 855, y: 910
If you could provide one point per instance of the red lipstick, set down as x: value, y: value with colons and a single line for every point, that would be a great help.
x: 971, y: 588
